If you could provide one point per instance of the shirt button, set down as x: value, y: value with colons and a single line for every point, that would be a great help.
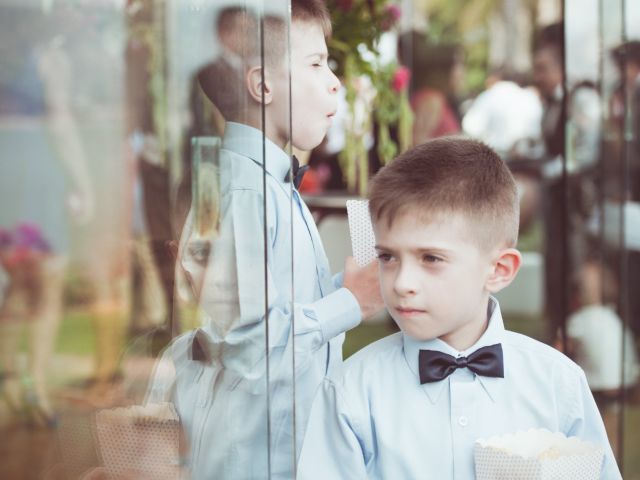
x: 463, y: 421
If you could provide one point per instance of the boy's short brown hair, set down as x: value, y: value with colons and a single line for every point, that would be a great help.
x: 224, y: 85
x: 312, y: 11
x: 303, y: 11
x: 450, y: 175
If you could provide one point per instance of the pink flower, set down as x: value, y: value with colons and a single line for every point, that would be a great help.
x: 401, y: 79
x: 394, y: 12
x: 29, y: 236
x: 390, y: 17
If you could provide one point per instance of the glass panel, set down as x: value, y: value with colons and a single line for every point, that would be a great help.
x: 68, y: 214
x: 629, y: 79
x: 601, y: 202
x: 147, y: 224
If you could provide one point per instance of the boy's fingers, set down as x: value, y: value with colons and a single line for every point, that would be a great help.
x: 350, y: 263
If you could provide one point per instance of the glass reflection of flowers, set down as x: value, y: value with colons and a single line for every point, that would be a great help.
x: 373, y: 89
x: 22, y: 251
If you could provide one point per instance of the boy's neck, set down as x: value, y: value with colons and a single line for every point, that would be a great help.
x: 253, y: 118
x: 467, y: 337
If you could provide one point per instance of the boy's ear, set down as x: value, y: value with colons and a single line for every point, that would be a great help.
x: 504, y: 269
x: 255, y: 85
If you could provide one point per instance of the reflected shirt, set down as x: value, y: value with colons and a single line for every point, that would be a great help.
x: 260, y: 260
x: 376, y: 420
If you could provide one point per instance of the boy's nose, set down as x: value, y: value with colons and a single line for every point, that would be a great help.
x: 334, y: 83
x: 403, y: 284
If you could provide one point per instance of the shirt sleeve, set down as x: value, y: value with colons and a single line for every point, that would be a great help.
x: 338, y: 280
x: 332, y: 446
x: 584, y: 421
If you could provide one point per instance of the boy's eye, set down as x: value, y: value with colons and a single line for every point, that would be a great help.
x: 431, y: 259
x: 384, y: 257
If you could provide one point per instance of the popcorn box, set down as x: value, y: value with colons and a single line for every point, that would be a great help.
x: 537, y: 454
x: 143, y: 441
x: 361, y: 231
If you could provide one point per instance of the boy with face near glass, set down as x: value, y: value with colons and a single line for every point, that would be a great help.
x: 445, y: 217
x: 265, y: 288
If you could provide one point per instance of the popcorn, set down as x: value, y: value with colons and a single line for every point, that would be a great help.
x: 537, y: 454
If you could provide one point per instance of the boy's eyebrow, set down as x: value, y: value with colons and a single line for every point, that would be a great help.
x: 440, y: 250
x: 434, y: 249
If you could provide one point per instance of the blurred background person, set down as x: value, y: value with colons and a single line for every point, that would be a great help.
x: 205, y: 101
x: 624, y: 146
x: 505, y: 114
x: 436, y: 85
x: 597, y: 340
x: 571, y: 132
x: 152, y: 226
x: 627, y: 60
x: 44, y: 183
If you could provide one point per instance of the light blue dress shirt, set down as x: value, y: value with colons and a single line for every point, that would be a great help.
x: 376, y: 421
x: 237, y: 413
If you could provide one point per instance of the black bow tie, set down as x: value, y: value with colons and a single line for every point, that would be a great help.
x: 435, y: 366
x: 298, y: 172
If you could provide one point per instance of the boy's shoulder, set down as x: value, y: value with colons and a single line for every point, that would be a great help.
x: 239, y: 172
x: 524, y: 352
x: 371, y: 362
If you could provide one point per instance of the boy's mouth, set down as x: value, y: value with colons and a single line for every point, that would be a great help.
x: 408, y: 312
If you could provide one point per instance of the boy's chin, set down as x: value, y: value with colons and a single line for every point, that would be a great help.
x: 308, y: 143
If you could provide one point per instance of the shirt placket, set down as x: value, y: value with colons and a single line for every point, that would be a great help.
x: 463, y: 392
x: 322, y: 265
x: 206, y: 391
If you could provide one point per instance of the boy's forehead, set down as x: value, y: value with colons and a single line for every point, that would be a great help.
x: 307, y: 37
x: 423, y: 230
x: 410, y: 220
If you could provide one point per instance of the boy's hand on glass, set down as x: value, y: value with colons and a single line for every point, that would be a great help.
x: 364, y: 283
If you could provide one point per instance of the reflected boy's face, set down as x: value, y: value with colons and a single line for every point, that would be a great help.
x: 433, y: 276
x: 313, y: 87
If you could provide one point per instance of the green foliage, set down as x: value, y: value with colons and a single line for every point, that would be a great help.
x: 357, y: 27
x: 355, y: 23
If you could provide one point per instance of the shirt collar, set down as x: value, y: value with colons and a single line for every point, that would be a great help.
x: 492, y: 335
x: 248, y: 141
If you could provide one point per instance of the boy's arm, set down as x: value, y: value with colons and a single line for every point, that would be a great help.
x: 333, y: 445
x: 584, y: 421
x: 230, y: 285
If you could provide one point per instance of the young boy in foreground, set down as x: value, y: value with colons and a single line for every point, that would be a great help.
x: 445, y: 217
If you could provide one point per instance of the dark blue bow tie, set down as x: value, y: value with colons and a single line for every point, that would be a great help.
x: 435, y: 366
x: 298, y: 172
